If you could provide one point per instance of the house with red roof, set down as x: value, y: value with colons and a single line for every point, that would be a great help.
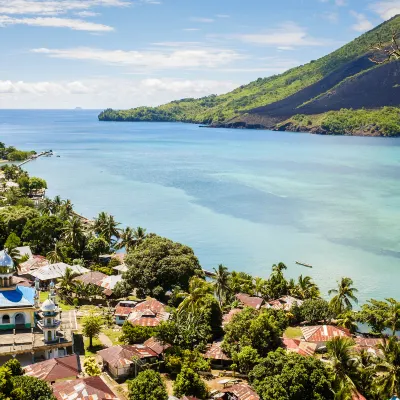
x: 284, y: 303
x: 92, y: 388
x: 149, y: 313
x: 320, y: 334
x: 249, y: 301
x: 226, y: 318
x: 240, y: 391
x: 55, y: 369
x: 155, y: 345
x: 299, y: 346
x: 123, y: 361
x: 122, y: 311
x: 216, y: 355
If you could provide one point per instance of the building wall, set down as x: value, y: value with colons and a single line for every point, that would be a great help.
x: 28, y: 314
x: 120, y: 320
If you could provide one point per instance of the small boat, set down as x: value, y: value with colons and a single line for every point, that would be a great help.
x: 304, y: 264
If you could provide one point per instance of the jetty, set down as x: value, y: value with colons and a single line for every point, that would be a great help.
x: 36, y: 156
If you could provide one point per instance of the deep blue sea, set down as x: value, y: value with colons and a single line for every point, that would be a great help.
x: 243, y: 198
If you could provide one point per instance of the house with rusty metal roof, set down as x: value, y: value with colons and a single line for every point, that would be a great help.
x: 226, y: 318
x: 371, y: 345
x: 122, y: 311
x: 32, y: 264
x: 240, y: 391
x: 123, y: 361
x: 299, y: 346
x: 320, y: 334
x: 149, y: 313
x: 250, y: 301
x: 216, y: 355
x: 92, y: 388
x: 155, y: 345
x: 284, y: 303
x: 55, y: 369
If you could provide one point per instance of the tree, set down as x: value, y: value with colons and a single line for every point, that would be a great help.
x: 28, y: 387
x: 132, y: 334
x: 91, y: 327
x: 56, y: 255
x: 221, y: 283
x: 344, y: 295
x: 198, y: 290
x: 189, y: 383
x: 176, y: 359
x: 260, y: 330
x: 14, y: 366
x: 386, y: 52
x: 73, y: 232
x: 160, y: 263
x: 15, y: 218
x: 67, y: 283
x: 289, y: 376
x: 139, y: 235
x: 36, y: 184
x: 246, y: 359
x: 306, y: 288
x: 148, y: 385
x: 348, y: 320
x: 126, y: 239
x: 42, y: 232
x: 344, y: 364
x: 314, y: 311
x: 91, y: 367
x: 12, y: 241
x: 276, y: 286
x: 240, y: 282
x: 106, y: 226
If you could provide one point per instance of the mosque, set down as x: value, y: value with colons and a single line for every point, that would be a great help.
x: 27, y: 327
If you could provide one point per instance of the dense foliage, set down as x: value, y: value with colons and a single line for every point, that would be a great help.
x: 157, y: 264
x: 263, y: 91
x: 148, y: 385
x: 189, y: 383
x: 12, y: 154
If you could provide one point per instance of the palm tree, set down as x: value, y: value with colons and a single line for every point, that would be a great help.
x: 306, y: 288
x: 68, y: 207
x: 57, y: 202
x: 344, y: 365
x: 388, y: 381
x: 67, y: 283
x: 277, y: 270
x: 139, y: 234
x: 198, y: 290
x: 106, y: 226
x: 393, y: 315
x: 15, y: 255
x: 55, y: 255
x: 344, y: 294
x: 46, y: 206
x: 127, y: 239
x: 73, y: 232
x: 348, y: 320
x: 221, y: 283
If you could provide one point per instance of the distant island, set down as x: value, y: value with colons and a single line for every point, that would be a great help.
x: 342, y: 93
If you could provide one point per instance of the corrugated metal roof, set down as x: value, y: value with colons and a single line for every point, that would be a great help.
x: 22, y: 296
x: 55, y: 271
x: 298, y: 346
x: 121, y: 355
x: 215, y: 352
x: 226, y: 318
x: 32, y: 264
x: 323, y: 333
x: 156, y: 345
x: 243, y: 392
x: 250, y: 301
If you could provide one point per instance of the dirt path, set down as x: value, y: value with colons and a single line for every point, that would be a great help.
x: 105, y: 341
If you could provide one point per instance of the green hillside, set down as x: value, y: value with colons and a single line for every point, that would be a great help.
x: 264, y: 91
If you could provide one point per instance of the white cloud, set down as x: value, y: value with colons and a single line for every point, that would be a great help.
x: 55, y: 22
x: 386, y: 9
x: 55, y: 7
x: 202, y: 20
x: 105, y: 92
x: 287, y: 34
x: 331, y: 16
x: 340, y: 3
x: 191, y: 29
x: 362, y: 24
x: 223, y: 16
x: 152, y: 60
x: 85, y: 14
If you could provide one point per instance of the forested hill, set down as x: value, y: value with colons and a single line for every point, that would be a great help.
x: 345, y: 78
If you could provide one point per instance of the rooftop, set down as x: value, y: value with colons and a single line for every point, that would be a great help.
x: 21, y: 296
x: 323, y: 333
x: 226, y: 318
x: 250, y: 301
x: 121, y: 355
x: 55, y: 271
x: 91, y: 277
x: 156, y: 345
x: 92, y: 388
x: 215, y: 352
x: 35, y: 262
x: 242, y: 391
x: 55, y: 368
x: 299, y: 346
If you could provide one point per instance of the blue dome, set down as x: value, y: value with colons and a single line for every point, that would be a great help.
x: 6, y: 260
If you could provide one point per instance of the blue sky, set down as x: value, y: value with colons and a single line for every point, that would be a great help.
x: 126, y: 53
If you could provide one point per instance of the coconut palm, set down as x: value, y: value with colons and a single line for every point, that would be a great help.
x: 15, y: 255
x: 139, y: 234
x: 57, y: 202
x: 306, y: 288
x: 106, y: 226
x: 67, y: 207
x: 344, y: 365
x: 344, y: 295
x: 388, y: 380
x: 55, y: 255
x: 126, y: 239
x: 198, y: 290
x: 73, y: 232
x: 393, y: 315
x: 221, y: 283
x: 348, y: 320
x: 67, y: 283
x: 46, y: 206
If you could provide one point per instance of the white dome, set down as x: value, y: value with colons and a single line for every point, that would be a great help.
x: 48, y: 306
x: 6, y: 260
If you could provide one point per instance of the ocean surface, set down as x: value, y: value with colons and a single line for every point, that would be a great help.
x: 243, y: 198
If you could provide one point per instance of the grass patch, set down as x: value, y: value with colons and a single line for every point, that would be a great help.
x: 113, y: 335
x: 91, y: 351
x: 43, y: 296
x: 292, y: 332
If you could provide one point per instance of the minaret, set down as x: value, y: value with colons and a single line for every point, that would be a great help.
x: 7, y: 271
x: 49, y: 324
x: 37, y: 292
x: 52, y: 295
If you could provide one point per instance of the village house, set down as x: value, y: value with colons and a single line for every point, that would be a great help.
x: 93, y: 388
x: 299, y: 346
x: 149, y: 313
x: 249, y: 301
x: 55, y: 369
x: 371, y: 345
x: 155, y: 345
x: 284, y: 303
x: 32, y: 264
x: 122, y: 311
x: 216, y: 355
x: 123, y: 361
x: 320, y: 334
x: 240, y: 391
x: 226, y: 318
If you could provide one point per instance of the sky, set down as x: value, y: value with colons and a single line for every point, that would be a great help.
x: 127, y: 53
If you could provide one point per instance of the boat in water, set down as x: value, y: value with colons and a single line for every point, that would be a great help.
x: 304, y: 264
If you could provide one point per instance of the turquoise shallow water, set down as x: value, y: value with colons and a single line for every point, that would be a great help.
x: 243, y: 198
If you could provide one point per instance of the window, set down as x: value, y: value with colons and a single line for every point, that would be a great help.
x: 6, y: 319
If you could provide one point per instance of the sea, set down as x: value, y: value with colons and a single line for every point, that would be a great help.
x: 243, y: 198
